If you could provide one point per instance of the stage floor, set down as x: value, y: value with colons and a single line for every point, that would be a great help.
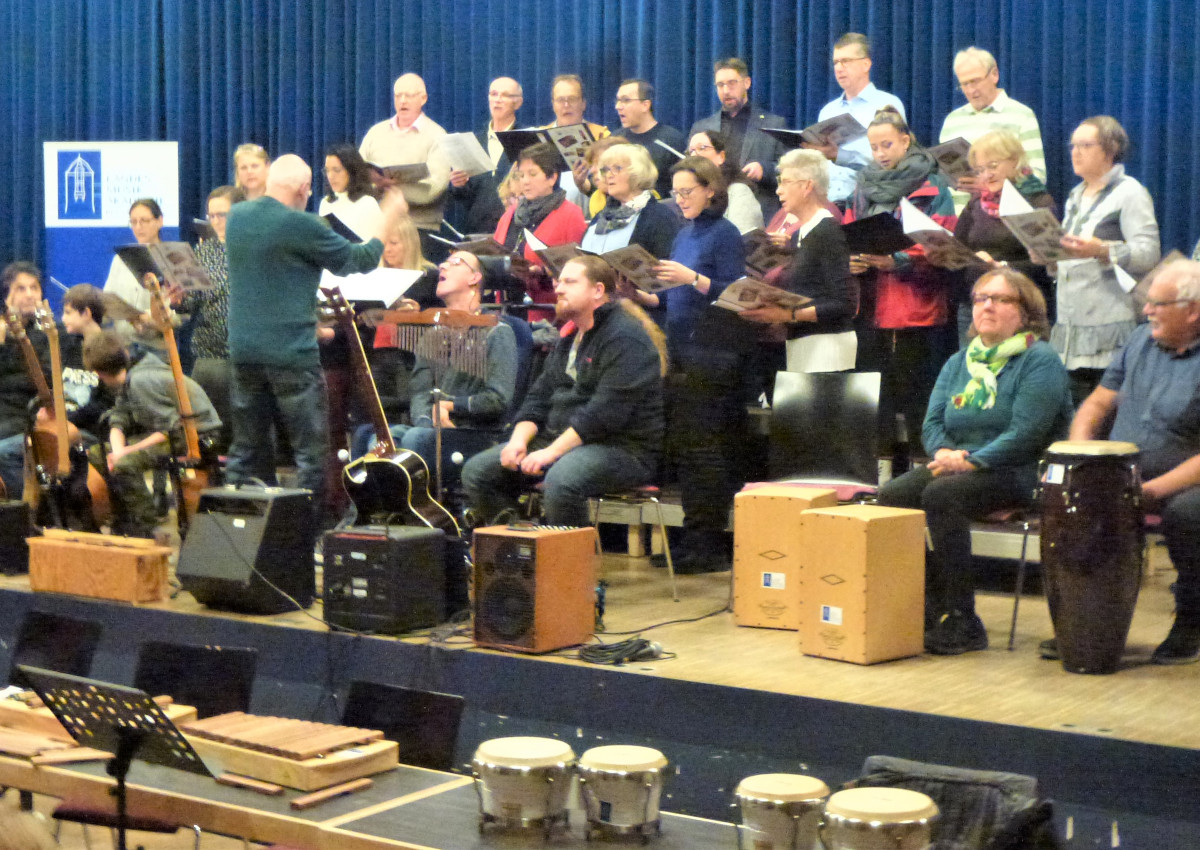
x: 1143, y: 702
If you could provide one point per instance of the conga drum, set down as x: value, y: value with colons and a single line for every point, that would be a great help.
x: 878, y: 819
x: 780, y: 811
x: 621, y: 787
x: 1092, y: 541
x: 523, y: 781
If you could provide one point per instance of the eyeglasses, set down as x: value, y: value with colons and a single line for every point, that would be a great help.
x: 606, y: 170
x: 971, y: 83
x: 408, y: 95
x: 1082, y: 146
x: 984, y: 298
x: 622, y: 101
x: 134, y: 222
x: 211, y: 216
x: 838, y: 63
x: 504, y: 95
x: 458, y: 261
x: 1157, y: 305
x: 990, y: 167
x: 695, y: 150
x: 683, y: 194
x: 788, y: 181
x: 566, y: 101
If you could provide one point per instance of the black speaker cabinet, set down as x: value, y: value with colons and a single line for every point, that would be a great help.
x: 14, y: 529
x: 246, y: 545
x: 535, y: 589
x: 387, y: 580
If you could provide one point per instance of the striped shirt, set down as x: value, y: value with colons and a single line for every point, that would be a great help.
x: 1003, y: 113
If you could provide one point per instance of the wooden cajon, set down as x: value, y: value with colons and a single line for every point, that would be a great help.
x: 862, y: 581
x: 767, y: 538
x: 102, y: 566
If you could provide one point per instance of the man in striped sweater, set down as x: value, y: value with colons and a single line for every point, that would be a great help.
x: 989, y: 108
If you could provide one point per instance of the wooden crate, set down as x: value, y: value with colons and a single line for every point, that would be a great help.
x: 306, y: 775
x: 102, y: 566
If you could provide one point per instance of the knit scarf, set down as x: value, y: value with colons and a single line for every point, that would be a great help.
x: 882, y: 188
x: 616, y: 215
x: 529, y: 214
x: 984, y: 364
x: 1028, y: 185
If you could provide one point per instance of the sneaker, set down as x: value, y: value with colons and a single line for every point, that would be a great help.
x: 1182, y: 646
x: 956, y: 633
x: 1048, y: 649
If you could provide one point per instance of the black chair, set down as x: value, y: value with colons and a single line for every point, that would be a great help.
x: 214, y: 679
x: 424, y: 723
x: 824, y: 429
x: 55, y: 642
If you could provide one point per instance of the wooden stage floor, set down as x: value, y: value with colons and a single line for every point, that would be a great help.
x: 1142, y: 703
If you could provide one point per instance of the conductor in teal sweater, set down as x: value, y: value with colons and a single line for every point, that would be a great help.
x: 276, y: 254
x: 996, y: 407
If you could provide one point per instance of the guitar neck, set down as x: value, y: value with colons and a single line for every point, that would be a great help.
x: 33, y: 364
x: 60, y: 405
x: 161, y: 318
x: 363, y: 377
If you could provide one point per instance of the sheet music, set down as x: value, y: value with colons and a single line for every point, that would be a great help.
x: 383, y: 285
x: 466, y: 154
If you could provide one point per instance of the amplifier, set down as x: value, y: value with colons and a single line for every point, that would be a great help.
x: 535, y: 589
x: 243, y: 543
x: 388, y: 580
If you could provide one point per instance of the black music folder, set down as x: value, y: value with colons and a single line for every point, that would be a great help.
x: 878, y: 234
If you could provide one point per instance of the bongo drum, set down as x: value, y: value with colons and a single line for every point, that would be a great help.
x: 620, y: 787
x: 780, y: 811
x: 523, y: 781
x: 878, y: 819
x: 1092, y: 541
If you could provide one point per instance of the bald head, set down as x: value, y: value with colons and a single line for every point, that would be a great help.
x: 290, y: 181
x: 504, y: 99
x: 408, y: 95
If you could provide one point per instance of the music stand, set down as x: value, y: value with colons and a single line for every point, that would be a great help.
x: 118, y: 720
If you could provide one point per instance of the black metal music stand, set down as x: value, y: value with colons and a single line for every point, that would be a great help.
x: 119, y: 720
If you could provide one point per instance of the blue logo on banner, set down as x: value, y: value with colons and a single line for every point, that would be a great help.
x: 79, y: 184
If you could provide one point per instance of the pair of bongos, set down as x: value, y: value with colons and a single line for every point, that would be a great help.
x: 526, y: 782
x: 785, y: 811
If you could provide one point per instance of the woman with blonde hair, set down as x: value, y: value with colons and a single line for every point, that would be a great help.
x: 250, y: 166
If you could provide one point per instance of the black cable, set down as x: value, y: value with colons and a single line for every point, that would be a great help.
x: 634, y: 649
x: 673, y: 622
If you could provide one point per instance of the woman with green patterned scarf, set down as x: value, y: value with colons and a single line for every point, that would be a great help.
x: 995, y: 408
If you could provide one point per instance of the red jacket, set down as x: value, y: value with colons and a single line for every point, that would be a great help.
x: 915, y: 294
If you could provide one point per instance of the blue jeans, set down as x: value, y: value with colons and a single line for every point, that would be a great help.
x: 298, y: 395
x: 12, y: 465
x: 586, y: 471
x: 1181, y: 526
x: 466, y: 442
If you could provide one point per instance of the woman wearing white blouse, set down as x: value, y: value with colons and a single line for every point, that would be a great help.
x: 349, y: 196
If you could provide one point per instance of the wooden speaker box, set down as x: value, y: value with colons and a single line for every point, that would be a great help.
x: 102, y: 566
x: 535, y: 589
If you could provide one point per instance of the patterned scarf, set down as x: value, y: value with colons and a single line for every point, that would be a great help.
x: 984, y: 364
x: 616, y: 215
x: 882, y: 188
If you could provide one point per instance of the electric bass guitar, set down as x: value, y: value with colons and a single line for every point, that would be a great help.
x: 387, y: 484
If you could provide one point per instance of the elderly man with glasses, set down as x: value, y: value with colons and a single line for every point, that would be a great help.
x: 1153, y: 388
x: 475, y: 205
x: 989, y: 108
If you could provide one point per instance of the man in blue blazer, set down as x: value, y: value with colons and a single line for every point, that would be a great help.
x: 741, y: 122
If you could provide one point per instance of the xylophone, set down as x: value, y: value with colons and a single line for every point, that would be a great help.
x: 297, y: 754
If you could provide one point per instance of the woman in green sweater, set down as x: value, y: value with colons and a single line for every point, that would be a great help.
x: 995, y: 408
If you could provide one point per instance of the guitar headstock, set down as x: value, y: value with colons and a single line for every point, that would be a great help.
x: 336, y: 303
x: 45, y: 320
x: 16, y: 325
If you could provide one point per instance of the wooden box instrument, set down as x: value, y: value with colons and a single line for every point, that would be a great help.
x: 102, y: 566
x: 25, y: 714
x: 295, y: 753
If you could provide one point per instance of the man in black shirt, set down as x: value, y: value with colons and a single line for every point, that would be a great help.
x: 635, y: 108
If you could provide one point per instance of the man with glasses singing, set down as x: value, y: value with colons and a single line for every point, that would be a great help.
x: 635, y: 109
x: 1153, y: 386
x: 407, y: 138
x: 742, y: 122
x: 860, y: 98
x: 474, y: 205
x: 989, y: 108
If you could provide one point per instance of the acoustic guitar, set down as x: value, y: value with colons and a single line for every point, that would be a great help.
x: 387, y: 484
x: 200, y: 467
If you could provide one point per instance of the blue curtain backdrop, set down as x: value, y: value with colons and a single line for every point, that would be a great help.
x: 297, y: 77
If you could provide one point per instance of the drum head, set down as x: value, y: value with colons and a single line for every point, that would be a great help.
x: 619, y: 757
x: 890, y: 805
x: 1092, y: 448
x: 782, y: 787
x: 524, y: 752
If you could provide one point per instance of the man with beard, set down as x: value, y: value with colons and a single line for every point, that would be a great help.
x: 592, y: 423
